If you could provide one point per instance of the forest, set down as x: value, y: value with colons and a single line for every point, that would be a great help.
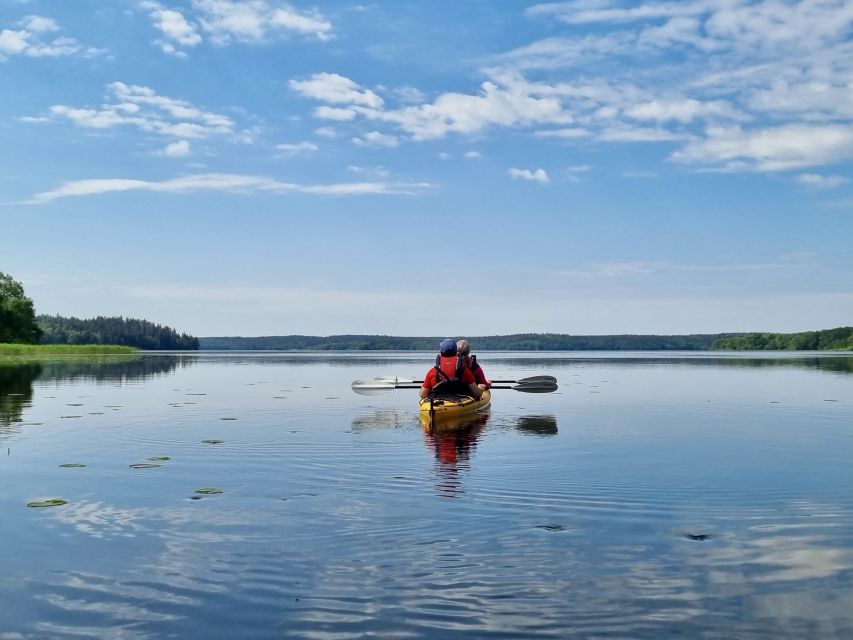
x: 838, y: 339
x: 827, y: 340
x: 130, y: 332
x: 515, y: 342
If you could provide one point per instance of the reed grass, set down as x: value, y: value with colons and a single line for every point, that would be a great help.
x: 64, y: 349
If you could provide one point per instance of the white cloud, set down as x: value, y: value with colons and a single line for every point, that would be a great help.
x: 39, y: 24
x: 233, y: 183
x: 565, y: 133
x: 626, y: 133
x: 254, y: 21
x: 376, y: 139
x: 505, y: 105
x: 526, y: 174
x: 410, y: 95
x: 326, y: 132
x: 335, y: 113
x: 598, y: 11
x: 224, y: 21
x: 179, y: 149
x: 508, y: 102
x: 682, y: 110
x: 29, y: 41
x: 297, y: 148
x: 784, y: 65
x: 305, y: 24
x: 13, y: 42
x: 174, y: 26
x: 817, y: 181
x: 336, y: 89
x: 473, y: 155
x: 789, y: 146
x: 143, y: 108
x: 558, y: 53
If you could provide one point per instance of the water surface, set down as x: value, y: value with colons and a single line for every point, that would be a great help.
x: 654, y: 495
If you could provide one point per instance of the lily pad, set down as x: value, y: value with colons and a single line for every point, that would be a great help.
x: 70, y: 417
x: 227, y: 418
x: 72, y: 465
x: 144, y: 465
x: 158, y: 458
x: 213, y: 441
x: 208, y: 491
x: 700, y: 537
x: 50, y: 502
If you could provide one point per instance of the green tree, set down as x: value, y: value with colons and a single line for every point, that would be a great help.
x: 17, y: 318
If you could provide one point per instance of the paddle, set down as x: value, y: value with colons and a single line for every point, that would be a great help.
x: 531, y: 379
x: 374, y: 387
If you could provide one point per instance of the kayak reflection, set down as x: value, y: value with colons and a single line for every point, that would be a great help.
x: 452, y: 441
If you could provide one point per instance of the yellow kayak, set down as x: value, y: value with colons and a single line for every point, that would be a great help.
x: 453, y: 406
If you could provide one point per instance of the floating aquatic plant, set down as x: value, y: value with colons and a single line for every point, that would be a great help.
x: 158, y: 458
x: 213, y: 441
x: 72, y: 465
x: 70, y: 416
x: 144, y: 465
x: 209, y: 491
x: 50, y: 502
x: 227, y: 418
x: 700, y: 537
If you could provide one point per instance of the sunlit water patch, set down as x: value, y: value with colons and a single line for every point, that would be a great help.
x: 254, y: 496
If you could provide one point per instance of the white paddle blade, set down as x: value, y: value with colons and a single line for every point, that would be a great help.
x: 371, y: 387
x: 393, y: 379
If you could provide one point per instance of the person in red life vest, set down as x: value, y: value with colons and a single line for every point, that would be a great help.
x: 463, y: 351
x: 449, y: 375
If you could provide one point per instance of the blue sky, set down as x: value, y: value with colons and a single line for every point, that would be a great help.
x: 420, y: 168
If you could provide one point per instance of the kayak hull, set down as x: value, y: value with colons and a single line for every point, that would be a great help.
x: 454, y: 406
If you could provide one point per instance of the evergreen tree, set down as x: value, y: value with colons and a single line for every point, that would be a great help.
x: 117, y: 330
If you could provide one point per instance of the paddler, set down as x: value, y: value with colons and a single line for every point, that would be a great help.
x: 450, y: 374
x: 463, y: 350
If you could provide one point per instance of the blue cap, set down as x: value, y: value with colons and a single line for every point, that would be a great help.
x: 448, y: 347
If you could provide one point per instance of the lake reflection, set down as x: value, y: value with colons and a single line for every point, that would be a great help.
x: 654, y: 495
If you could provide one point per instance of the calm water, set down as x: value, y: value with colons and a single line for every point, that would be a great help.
x: 653, y: 496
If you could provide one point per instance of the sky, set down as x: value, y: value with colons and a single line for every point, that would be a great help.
x: 430, y: 168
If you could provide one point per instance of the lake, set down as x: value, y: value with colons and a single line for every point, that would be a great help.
x: 655, y: 495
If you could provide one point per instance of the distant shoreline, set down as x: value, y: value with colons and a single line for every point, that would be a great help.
x: 838, y: 339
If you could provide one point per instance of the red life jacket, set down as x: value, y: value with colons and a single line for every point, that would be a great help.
x: 448, y: 374
x: 449, y: 367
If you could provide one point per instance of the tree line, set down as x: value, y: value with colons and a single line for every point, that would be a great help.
x: 838, y: 339
x: 514, y: 342
x: 826, y: 340
x: 131, y: 332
